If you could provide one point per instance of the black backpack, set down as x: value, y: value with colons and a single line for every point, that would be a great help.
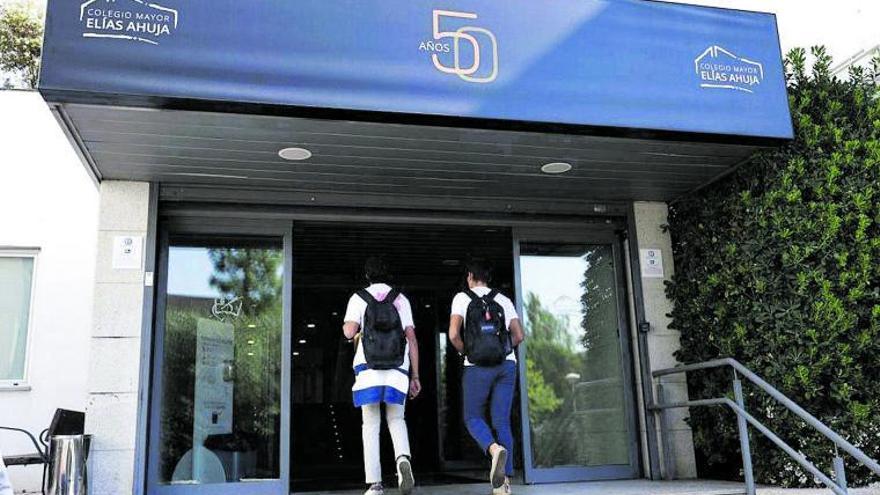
x: 486, y: 337
x: 383, y: 338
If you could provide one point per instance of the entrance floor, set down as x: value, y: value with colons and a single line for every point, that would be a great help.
x: 628, y: 487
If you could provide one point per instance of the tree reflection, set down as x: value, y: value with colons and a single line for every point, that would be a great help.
x: 254, y: 276
x: 574, y: 372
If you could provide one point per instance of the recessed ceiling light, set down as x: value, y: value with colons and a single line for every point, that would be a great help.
x: 556, y: 168
x: 295, y: 154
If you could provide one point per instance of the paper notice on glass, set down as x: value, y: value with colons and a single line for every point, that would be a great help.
x: 215, y: 357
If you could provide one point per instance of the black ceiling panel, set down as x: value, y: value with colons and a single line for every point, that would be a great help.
x: 361, y: 159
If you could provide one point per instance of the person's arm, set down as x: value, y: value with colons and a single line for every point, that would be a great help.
x: 455, y: 324
x: 415, y: 386
x: 350, y: 329
x: 354, y: 314
x: 516, y: 332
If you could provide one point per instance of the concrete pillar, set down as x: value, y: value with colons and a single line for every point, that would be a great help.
x: 114, y: 369
x: 650, y: 219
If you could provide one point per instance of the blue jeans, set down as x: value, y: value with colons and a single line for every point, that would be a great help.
x: 492, y: 386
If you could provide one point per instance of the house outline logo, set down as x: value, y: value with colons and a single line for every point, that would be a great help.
x: 735, y: 73
x: 138, y: 20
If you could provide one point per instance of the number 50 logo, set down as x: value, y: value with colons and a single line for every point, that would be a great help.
x: 465, y: 34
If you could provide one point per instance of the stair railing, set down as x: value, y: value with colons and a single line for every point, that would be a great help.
x: 838, y: 485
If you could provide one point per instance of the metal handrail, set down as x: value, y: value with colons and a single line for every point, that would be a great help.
x: 738, y: 407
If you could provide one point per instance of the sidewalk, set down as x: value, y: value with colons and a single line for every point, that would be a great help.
x: 630, y: 487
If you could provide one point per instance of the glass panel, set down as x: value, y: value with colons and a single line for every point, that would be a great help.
x: 573, y: 367
x: 16, y: 279
x: 221, y: 371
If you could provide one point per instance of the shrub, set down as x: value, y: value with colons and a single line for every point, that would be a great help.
x: 778, y: 266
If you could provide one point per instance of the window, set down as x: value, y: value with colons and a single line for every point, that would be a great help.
x: 16, y: 299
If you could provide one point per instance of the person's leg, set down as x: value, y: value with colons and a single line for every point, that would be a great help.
x: 394, y: 414
x: 502, y: 400
x: 372, y: 416
x: 477, y: 384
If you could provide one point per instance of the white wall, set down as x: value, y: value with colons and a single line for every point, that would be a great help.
x: 48, y: 201
x: 114, y: 377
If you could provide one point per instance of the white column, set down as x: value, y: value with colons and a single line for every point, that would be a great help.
x: 114, y: 369
x: 650, y: 218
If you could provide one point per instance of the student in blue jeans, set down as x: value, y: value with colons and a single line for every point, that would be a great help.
x: 491, y: 386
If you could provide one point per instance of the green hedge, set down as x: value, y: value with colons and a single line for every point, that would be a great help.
x: 778, y: 266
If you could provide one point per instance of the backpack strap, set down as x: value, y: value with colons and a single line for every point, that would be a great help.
x: 391, y: 296
x: 366, y: 296
x: 490, y: 296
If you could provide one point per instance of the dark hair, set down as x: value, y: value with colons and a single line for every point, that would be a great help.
x: 480, y: 268
x: 376, y: 270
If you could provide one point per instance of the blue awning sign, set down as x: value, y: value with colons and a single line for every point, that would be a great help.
x: 617, y: 64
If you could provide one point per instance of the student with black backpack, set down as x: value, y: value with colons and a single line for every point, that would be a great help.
x: 485, y: 328
x: 386, y: 368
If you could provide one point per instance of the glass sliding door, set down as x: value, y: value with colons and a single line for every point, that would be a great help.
x: 578, y: 415
x: 221, y: 396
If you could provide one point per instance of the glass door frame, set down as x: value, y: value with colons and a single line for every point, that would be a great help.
x: 587, y: 235
x: 225, y: 227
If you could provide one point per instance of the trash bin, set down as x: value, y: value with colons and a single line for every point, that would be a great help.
x: 68, y: 455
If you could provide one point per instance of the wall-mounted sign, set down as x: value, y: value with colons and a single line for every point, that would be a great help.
x: 652, y: 263
x: 128, y: 252
x: 577, y: 62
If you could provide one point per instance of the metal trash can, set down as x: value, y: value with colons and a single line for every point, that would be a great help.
x: 68, y: 456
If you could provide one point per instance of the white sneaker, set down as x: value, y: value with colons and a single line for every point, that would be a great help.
x: 375, y: 489
x: 405, y: 480
x: 503, y: 489
x: 499, y: 463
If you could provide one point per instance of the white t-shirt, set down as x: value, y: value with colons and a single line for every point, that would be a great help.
x: 357, y: 306
x: 460, y: 304
x: 373, y: 386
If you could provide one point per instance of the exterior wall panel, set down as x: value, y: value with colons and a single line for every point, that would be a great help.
x: 650, y: 219
x: 112, y: 412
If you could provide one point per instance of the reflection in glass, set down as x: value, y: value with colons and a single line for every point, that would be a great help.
x: 221, y: 372
x: 573, y: 366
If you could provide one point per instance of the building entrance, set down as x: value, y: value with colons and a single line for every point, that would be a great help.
x: 427, y: 263
x: 253, y: 375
